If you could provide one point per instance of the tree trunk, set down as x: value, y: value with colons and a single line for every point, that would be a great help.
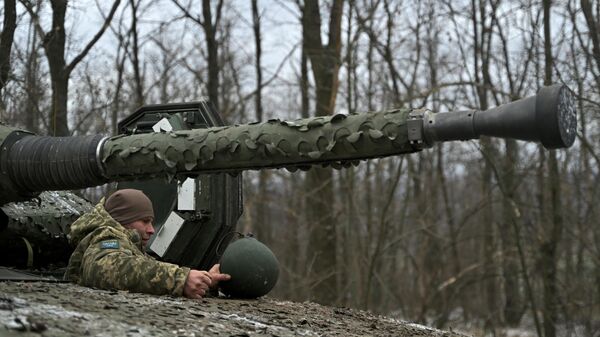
x: 210, y: 33
x: 212, y: 46
x: 34, y: 91
x: 54, y: 44
x: 514, y: 308
x: 511, y: 299
x: 262, y: 219
x: 6, y: 39
x: 549, y: 258
x: 348, y: 179
x: 135, y: 60
x: 60, y: 95
x: 325, y: 68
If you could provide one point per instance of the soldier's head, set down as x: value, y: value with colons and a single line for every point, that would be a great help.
x: 132, y: 209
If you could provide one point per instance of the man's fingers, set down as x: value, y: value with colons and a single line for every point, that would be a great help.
x: 198, y: 293
x: 221, y: 277
x: 217, y: 276
x: 194, y: 293
x: 206, y: 279
x: 215, y: 269
x: 202, y: 283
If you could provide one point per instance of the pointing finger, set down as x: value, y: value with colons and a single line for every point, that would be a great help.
x: 221, y: 277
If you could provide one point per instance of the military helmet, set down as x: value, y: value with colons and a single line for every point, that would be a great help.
x: 253, y: 267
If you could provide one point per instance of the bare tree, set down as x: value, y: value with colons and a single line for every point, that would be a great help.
x: 593, y: 25
x: 54, y: 42
x: 135, y: 54
x: 32, y: 83
x: 6, y: 39
x: 209, y: 26
x: 262, y: 219
x: 325, y: 63
x: 119, y: 62
x: 553, y: 232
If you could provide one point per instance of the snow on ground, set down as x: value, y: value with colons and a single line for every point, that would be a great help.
x: 61, y: 309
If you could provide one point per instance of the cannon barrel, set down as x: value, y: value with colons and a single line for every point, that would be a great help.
x: 548, y: 117
x: 30, y: 164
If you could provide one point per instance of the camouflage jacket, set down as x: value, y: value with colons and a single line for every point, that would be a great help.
x: 109, y: 256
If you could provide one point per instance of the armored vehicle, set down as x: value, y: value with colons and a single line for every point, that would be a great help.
x: 187, y: 161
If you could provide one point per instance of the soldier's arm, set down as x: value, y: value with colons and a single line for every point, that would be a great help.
x: 111, y: 264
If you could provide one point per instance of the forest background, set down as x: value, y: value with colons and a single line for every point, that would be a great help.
x: 482, y: 234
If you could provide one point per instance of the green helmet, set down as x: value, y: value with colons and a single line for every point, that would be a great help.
x: 253, y: 267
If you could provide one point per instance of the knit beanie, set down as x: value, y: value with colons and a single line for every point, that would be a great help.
x: 129, y: 205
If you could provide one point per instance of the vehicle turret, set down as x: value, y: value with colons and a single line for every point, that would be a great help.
x: 30, y: 164
x: 177, y: 154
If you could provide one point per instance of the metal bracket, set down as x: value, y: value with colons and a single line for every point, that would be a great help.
x: 414, y: 124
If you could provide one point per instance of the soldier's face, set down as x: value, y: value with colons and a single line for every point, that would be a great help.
x: 144, y: 228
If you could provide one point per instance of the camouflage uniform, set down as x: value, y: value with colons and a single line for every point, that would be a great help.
x: 109, y: 256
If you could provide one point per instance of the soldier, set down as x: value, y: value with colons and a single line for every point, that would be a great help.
x: 110, y: 253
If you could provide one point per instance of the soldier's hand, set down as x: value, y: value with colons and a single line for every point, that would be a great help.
x: 197, y: 284
x: 216, y: 276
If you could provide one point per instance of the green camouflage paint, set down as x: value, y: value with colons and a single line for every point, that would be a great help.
x: 338, y: 141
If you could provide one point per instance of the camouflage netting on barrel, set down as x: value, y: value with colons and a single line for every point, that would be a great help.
x: 338, y: 141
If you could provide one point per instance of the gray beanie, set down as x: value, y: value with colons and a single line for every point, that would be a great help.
x: 129, y: 205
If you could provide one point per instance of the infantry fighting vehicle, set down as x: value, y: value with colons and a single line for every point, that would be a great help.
x: 188, y: 162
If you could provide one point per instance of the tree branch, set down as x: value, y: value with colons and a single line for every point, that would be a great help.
x: 187, y: 13
x: 95, y: 39
x: 34, y: 18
